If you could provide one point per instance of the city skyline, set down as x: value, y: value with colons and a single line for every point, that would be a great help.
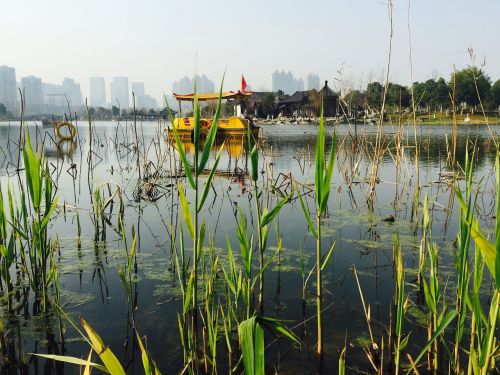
x: 357, y: 53
x: 45, y: 96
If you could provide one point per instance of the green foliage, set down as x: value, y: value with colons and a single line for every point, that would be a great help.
x: 374, y: 94
x: 432, y: 93
x: 115, y: 111
x: 471, y: 85
x: 251, y: 337
x: 356, y: 100
x: 495, y: 92
x: 268, y: 104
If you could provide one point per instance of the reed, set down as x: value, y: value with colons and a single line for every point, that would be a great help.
x: 322, y: 182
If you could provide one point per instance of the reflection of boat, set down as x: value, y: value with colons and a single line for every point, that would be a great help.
x: 238, y: 124
x: 234, y: 145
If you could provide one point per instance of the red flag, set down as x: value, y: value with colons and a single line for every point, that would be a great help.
x: 243, y: 83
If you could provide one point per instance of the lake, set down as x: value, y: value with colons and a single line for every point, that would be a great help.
x: 88, y: 262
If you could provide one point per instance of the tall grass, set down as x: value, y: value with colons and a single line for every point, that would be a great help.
x: 322, y: 183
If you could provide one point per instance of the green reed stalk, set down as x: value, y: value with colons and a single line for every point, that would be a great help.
x: 43, y: 202
x: 400, y: 302
x: 264, y: 217
x: 323, y: 179
x: 462, y: 265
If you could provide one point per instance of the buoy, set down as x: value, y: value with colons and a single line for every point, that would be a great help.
x: 71, y: 129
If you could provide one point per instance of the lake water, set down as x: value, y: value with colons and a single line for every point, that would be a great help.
x: 89, y: 280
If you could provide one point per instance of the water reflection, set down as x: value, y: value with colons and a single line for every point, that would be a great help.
x: 89, y: 269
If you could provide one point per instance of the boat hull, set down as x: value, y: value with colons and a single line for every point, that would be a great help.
x: 229, y: 126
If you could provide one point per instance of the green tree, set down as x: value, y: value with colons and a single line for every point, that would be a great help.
x: 92, y: 111
x: 355, y: 100
x: 3, y: 109
x: 115, y: 111
x: 465, y: 82
x: 495, y: 93
x: 440, y: 95
x: 374, y: 94
x: 268, y: 105
x: 398, y: 95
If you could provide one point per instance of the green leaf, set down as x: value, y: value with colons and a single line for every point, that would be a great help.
x: 328, y: 255
x: 186, y: 211
x: 32, y: 165
x: 196, y: 107
x: 342, y: 362
x: 209, y: 141
x: 307, y: 216
x: 144, y: 356
x: 189, y: 292
x: 251, y: 337
x: 319, y: 158
x: 325, y: 190
x: 487, y: 249
x: 180, y: 148
x: 72, y: 360
x: 254, y: 161
x: 439, y: 330
x: 267, y: 218
x: 107, y: 357
x: 279, y: 327
x: 209, y: 180
x: 497, y: 227
x: 48, y: 215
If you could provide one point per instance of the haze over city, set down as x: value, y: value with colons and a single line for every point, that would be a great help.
x: 158, y: 42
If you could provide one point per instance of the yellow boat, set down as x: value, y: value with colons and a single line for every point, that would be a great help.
x: 233, y: 125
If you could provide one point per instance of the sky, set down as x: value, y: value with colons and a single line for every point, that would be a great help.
x: 157, y: 42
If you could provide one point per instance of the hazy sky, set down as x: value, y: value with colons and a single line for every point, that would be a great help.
x: 157, y: 41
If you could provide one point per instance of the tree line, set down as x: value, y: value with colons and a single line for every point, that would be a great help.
x: 469, y: 87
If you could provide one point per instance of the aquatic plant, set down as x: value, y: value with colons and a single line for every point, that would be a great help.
x: 322, y: 184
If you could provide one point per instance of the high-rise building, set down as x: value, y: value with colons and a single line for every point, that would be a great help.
x: 137, y: 88
x: 8, y: 89
x: 97, y: 92
x: 204, y: 84
x: 54, y: 97
x: 183, y: 86
x: 286, y: 82
x: 142, y: 100
x: 313, y: 82
x: 73, y: 92
x: 33, y: 94
x: 299, y: 85
x: 119, y: 92
x: 186, y: 85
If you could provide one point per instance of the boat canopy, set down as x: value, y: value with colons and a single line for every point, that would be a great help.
x: 214, y: 96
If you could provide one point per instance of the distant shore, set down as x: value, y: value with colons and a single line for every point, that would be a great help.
x: 406, y: 119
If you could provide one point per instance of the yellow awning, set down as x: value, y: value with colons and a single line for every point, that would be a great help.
x: 214, y: 96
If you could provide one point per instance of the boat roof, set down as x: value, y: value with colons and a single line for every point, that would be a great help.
x: 214, y: 96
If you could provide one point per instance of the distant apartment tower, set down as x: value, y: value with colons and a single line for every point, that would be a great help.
x: 8, y: 88
x: 313, y: 82
x: 137, y: 88
x: 286, y: 82
x: 53, y: 96
x: 33, y: 94
x: 73, y: 92
x: 119, y: 92
x: 97, y: 92
x: 142, y: 101
x: 186, y: 85
x: 204, y: 84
